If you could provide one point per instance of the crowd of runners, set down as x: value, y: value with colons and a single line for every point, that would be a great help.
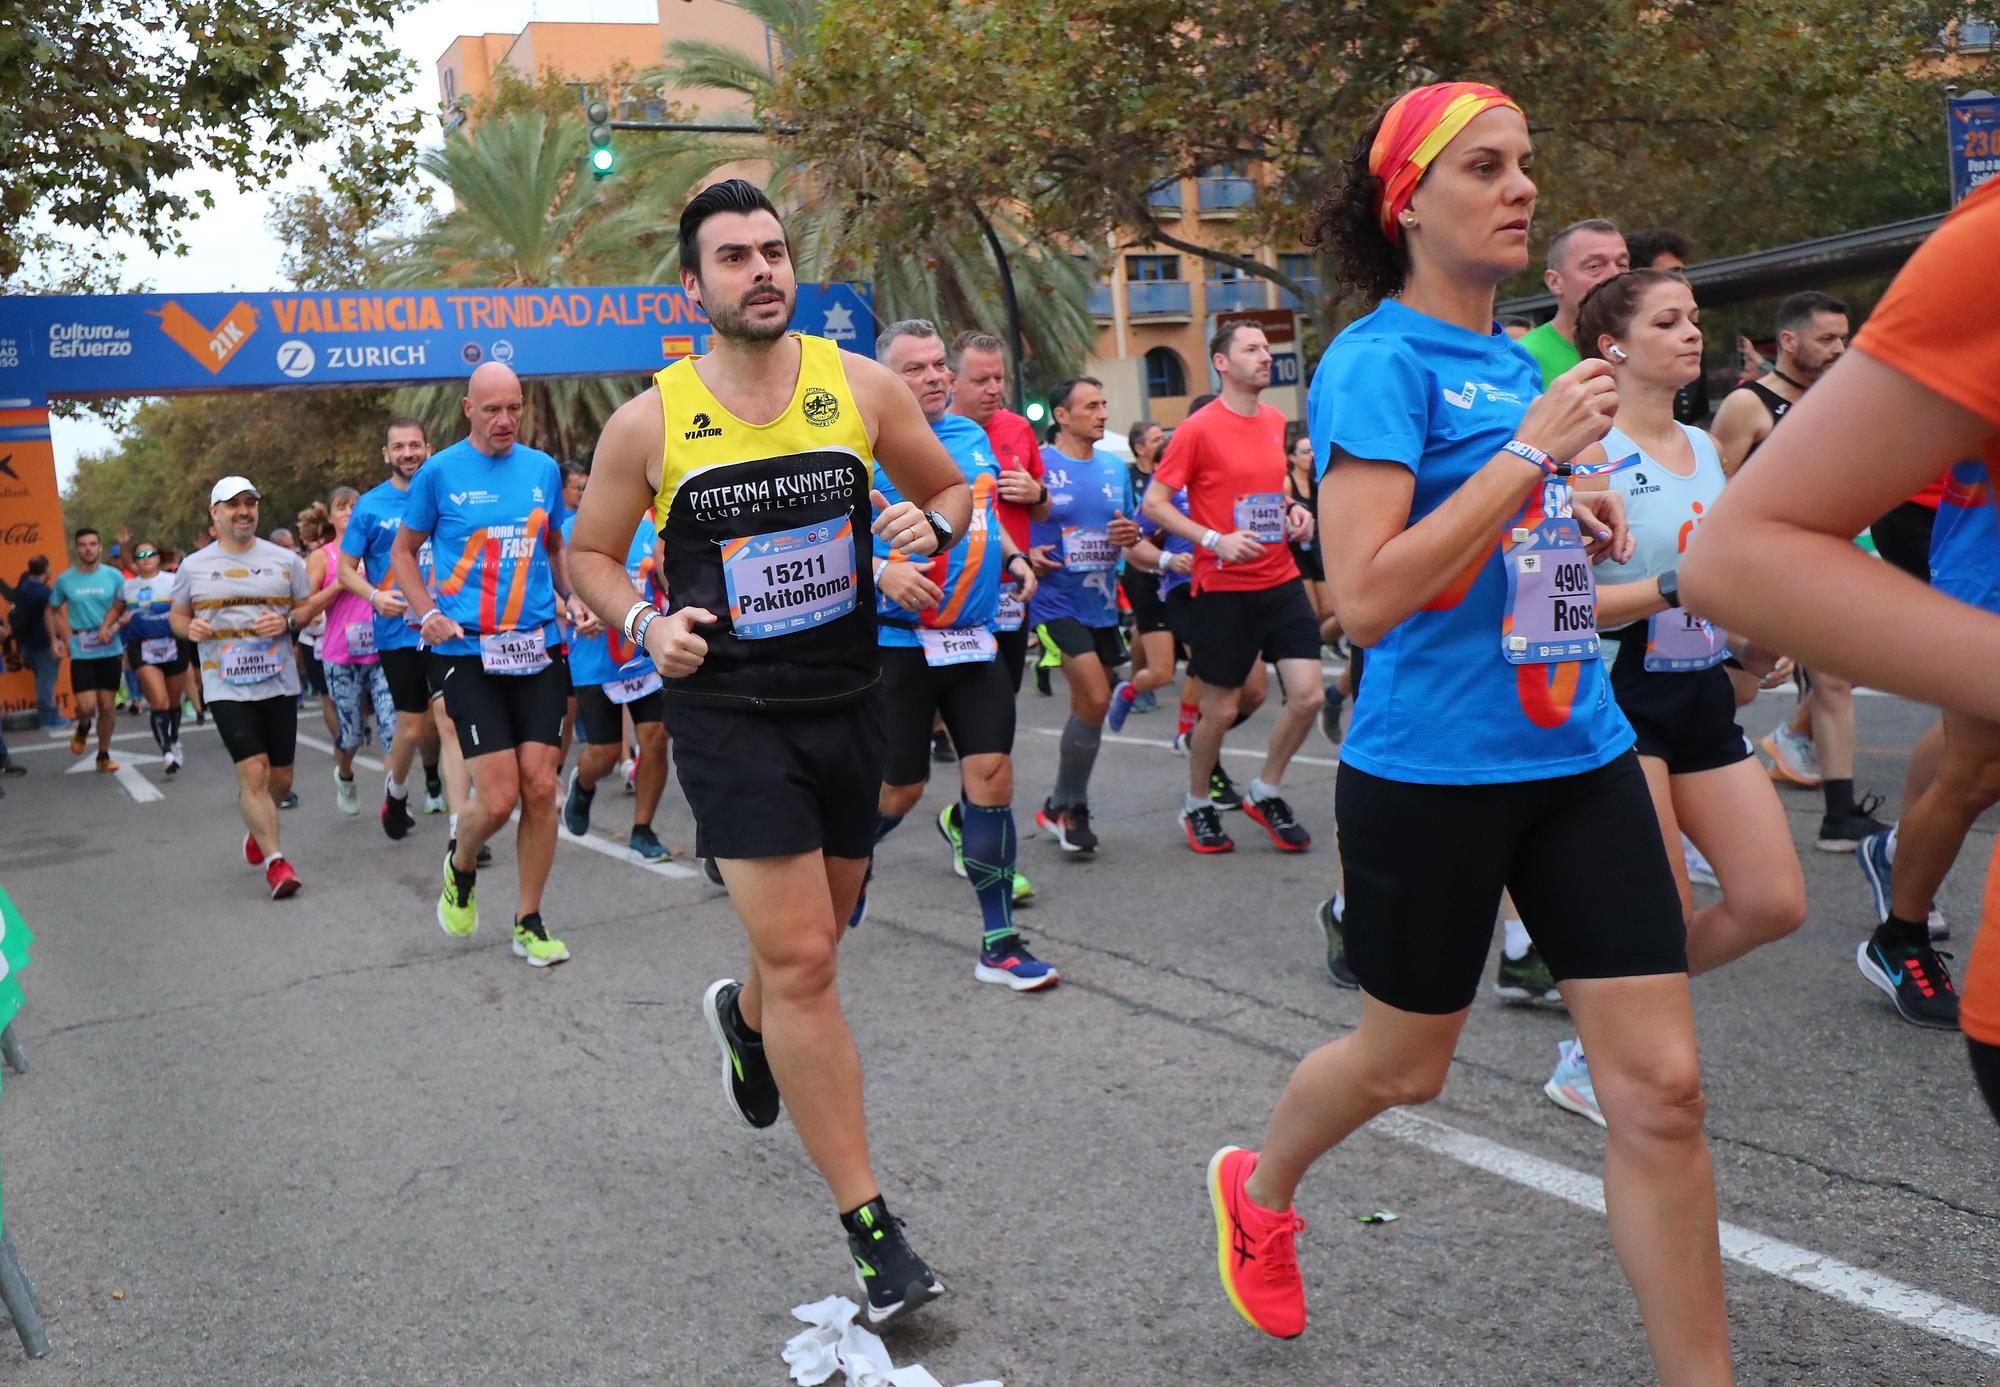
x: 1520, y: 578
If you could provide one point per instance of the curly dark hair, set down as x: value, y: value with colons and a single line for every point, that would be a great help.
x: 1344, y: 224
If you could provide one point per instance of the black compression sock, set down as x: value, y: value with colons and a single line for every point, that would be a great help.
x: 161, y: 734
x: 1839, y: 798
x: 866, y: 1218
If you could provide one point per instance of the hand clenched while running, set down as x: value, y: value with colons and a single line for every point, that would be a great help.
x: 676, y: 650
x: 1573, y: 413
x: 1600, y: 517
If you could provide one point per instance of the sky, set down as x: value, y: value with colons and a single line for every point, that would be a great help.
x: 230, y: 248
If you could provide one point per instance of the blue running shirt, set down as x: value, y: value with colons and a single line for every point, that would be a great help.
x: 968, y: 572
x: 489, y: 520
x: 371, y: 533
x: 1086, y: 493
x: 1441, y: 705
x: 1965, y: 540
x: 608, y: 655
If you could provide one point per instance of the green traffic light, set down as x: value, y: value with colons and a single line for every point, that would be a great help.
x: 1036, y: 412
x: 602, y: 161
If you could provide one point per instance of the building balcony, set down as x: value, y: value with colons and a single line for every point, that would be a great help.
x: 1224, y: 197
x: 1287, y: 299
x: 1233, y: 295
x: 1158, y: 299
x: 1099, y: 302
x: 1166, y: 198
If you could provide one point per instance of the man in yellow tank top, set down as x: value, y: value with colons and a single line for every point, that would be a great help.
x: 769, y: 657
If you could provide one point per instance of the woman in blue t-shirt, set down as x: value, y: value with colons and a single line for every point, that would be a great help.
x: 1485, y: 750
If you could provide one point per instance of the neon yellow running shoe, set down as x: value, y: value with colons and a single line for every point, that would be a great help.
x: 457, y: 915
x: 1023, y: 889
x: 532, y: 942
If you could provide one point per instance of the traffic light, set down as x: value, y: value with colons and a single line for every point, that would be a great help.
x: 603, y: 159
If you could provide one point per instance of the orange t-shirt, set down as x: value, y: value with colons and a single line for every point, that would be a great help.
x: 1232, y: 467
x: 1939, y: 324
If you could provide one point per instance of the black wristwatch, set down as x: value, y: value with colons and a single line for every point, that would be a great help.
x: 1017, y: 554
x: 1043, y: 497
x: 942, y: 529
x: 1669, y: 584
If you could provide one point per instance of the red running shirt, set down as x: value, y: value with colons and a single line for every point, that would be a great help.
x: 1232, y: 467
x: 1014, y: 445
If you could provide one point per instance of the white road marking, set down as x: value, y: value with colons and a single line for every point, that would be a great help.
x: 1838, y: 1280
x: 1250, y: 752
x: 618, y: 852
x: 142, y: 790
x: 62, y: 742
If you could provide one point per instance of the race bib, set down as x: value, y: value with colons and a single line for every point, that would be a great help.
x: 1088, y: 551
x: 622, y: 691
x: 957, y: 645
x: 515, y: 652
x: 1263, y: 515
x: 1013, y: 611
x: 790, y: 580
x: 1551, y: 596
x: 1679, y: 642
x: 90, y: 647
x: 161, y: 650
x: 360, y: 639
x: 254, y: 660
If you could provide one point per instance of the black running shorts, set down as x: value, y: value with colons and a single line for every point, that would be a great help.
x: 409, y: 682
x: 102, y: 674
x: 173, y: 668
x: 1424, y: 866
x: 1232, y: 629
x: 1178, y: 607
x: 1013, y: 654
x: 976, y: 701
x: 258, y: 727
x: 498, y: 712
x: 765, y: 784
x: 599, y: 721
x: 1142, y: 590
x: 1687, y: 719
x: 1903, y: 537
x: 1076, y: 640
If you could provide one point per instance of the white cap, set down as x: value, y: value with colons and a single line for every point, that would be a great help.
x: 229, y: 488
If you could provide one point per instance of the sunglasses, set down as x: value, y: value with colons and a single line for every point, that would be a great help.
x: 146, y: 554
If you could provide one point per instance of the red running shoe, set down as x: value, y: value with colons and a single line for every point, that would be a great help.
x: 282, y: 879
x: 253, y: 856
x: 1254, y: 1249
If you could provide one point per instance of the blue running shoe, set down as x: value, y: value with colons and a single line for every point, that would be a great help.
x: 576, y: 807
x: 860, y: 912
x: 1007, y: 961
x: 1147, y: 702
x: 1121, y: 706
x: 1570, y: 1087
x: 1872, y: 853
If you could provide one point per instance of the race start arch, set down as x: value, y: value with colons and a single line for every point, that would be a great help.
x: 104, y: 346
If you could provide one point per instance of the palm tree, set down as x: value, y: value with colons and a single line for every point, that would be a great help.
x: 524, y: 215
x: 948, y: 277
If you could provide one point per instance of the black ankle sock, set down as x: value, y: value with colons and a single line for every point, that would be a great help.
x: 1839, y: 798
x: 878, y: 1216
x: 1896, y: 932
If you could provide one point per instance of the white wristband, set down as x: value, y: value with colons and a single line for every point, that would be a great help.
x: 632, y: 615
x: 880, y: 566
x: 646, y: 619
x: 1211, y: 539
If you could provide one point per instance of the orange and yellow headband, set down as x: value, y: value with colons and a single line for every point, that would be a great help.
x: 1415, y: 130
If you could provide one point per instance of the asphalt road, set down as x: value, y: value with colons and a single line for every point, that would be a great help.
x: 320, y: 1141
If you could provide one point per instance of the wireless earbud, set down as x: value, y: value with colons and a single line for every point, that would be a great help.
x: 1615, y: 352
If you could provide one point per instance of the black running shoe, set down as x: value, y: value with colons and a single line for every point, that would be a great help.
x: 942, y: 750
x: 895, y: 1279
x: 1337, y: 967
x: 396, y: 820
x: 1069, y: 827
x: 1329, y: 715
x: 1222, y: 791
x: 1846, y: 832
x: 1915, y: 979
x: 746, y: 1074
x: 484, y: 859
x: 1204, y: 830
x: 1526, y: 981
x: 1287, y: 833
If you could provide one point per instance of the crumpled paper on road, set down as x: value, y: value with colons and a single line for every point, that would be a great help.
x: 834, y: 1347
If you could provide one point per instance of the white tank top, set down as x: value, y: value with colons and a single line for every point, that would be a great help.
x: 1662, y: 508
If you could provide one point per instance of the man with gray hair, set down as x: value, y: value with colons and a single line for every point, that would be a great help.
x: 934, y: 629
x: 1582, y: 256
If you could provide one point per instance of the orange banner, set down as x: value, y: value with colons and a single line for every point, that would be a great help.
x: 31, y: 523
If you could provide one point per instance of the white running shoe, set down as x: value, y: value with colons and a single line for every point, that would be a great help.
x: 346, y: 794
x: 1699, y: 872
x: 1793, y: 757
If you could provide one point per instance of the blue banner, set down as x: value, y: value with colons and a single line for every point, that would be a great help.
x: 79, y: 346
x: 1972, y: 125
